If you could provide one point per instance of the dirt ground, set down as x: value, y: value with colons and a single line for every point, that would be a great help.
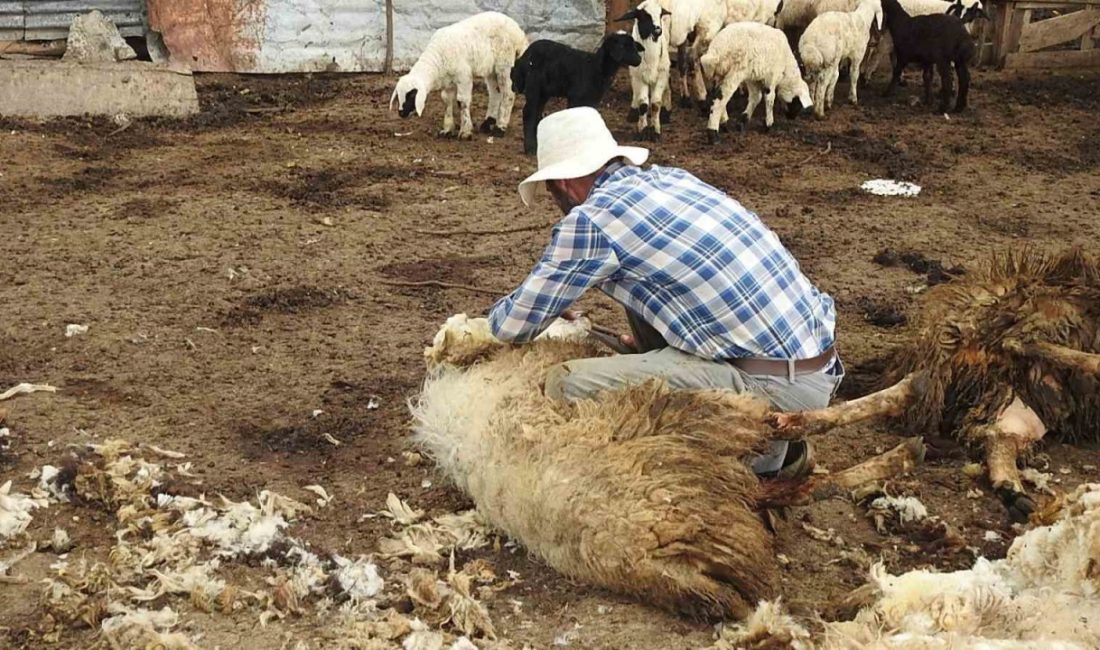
x: 232, y: 271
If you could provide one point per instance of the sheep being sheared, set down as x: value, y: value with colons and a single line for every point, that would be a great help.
x: 1001, y: 356
x: 643, y: 491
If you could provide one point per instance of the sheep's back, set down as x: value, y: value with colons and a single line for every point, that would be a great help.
x: 643, y: 491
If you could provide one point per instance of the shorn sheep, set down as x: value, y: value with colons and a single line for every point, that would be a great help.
x: 483, y: 46
x: 644, y: 490
x: 549, y: 69
x: 759, y: 57
x: 649, y: 80
x: 830, y: 40
x: 1001, y: 356
x: 938, y: 40
x: 1044, y: 595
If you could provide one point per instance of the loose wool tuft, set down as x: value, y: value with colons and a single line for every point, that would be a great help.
x: 642, y: 491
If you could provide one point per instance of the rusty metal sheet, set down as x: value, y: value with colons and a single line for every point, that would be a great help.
x: 211, y: 35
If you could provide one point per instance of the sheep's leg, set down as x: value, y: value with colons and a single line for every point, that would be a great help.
x: 532, y: 113
x: 927, y: 85
x: 1016, y: 429
x: 642, y: 106
x: 853, y: 79
x: 750, y: 107
x: 820, y: 87
x: 658, y: 95
x: 947, y: 84
x: 448, y: 95
x: 490, y: 121
x: 963, y: 70
x: 666, y: 100
x: 1086, y: 362
x: 683, y: 65
x: 896, y: 462
x: 465, y: 99
x: 507, y: 99
x: 834, y: 77
x: 718, y: 99
x: 889, y: 402
x: 769, y: 108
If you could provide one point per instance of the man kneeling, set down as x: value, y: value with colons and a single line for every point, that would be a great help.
x: 713, y: 298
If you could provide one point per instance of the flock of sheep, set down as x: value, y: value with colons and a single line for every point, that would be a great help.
x: 721, y: 46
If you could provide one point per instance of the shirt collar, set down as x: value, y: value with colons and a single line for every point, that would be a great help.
x: 612, y: 168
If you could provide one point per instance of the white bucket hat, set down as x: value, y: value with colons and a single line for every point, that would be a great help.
x: 574, y: 143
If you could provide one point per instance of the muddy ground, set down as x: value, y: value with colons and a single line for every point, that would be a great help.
x: 232, y: 267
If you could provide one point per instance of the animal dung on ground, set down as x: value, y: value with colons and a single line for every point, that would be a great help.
x: 886, y: 187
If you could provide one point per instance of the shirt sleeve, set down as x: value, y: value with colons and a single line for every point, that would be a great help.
x: 579, y: 256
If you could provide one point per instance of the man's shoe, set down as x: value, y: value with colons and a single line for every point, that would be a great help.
x: 797, y: 464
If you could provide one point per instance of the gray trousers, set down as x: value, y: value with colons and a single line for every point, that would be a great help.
x: 584, y: 378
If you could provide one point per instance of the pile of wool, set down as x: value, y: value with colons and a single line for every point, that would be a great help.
x: 175, y: 545
x: 1044, y: 595
x: 15, y: 511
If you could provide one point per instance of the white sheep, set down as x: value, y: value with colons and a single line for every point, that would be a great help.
x: 759, y: 57
x: 649, y: 81
x: 484, y: 46
x: 796, y: 15
x: 753, y: 11
x: 692, y: 26
x: 831, y: 39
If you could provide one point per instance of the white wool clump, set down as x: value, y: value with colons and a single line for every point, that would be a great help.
x: 422, y: 638
x: 15, y: 511
x: 428, y: 543
x: 1041, y: 480
x: 908, y: 509
x: 462, y: 337
x: 400, y: 511
x: 47, y: 482
x: 833, y: 38
x: 886, y: 187
x: 483, y: 46
x: 759, y: 57
x: 770, y: 621
x: 463, y: 643
x: 144, y: 628
x: 358, y: 578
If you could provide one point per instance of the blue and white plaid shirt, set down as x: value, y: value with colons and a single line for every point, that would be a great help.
x: 701, y: 269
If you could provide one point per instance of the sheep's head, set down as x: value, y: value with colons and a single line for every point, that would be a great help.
x: 461, y: 341
x: 796, y: 94
x: 647, y: 19
x: 620, y: 48
x: 410, y: 94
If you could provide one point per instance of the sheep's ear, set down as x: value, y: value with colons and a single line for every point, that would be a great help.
x: 641, y: 48
x: 665, y: 12
x: 630, y: 15
x: 421, y: 99
x: 393, y: 100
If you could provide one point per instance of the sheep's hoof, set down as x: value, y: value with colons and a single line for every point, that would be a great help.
x: 767, y: 128
x: 712, y: 136
x: 742, y: 123
x: 1019, y: 505
x: 650, y: 133
x: 488, y: 125
x: 665, y: 115
x: 632, y: 116
x: 496, y: 131
x: 444, y: 133
x: 465, y: 136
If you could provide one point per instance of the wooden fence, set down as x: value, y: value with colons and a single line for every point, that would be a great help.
x: 1030, y: 34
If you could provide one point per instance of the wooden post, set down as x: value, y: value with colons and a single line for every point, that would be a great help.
x: 387, y: 66
x: 616, y: 8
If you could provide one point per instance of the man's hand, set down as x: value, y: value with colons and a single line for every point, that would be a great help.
x: 572, y: 314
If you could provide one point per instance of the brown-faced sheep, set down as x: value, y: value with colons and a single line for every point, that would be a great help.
x: 643, y: 491
x: 1001, y: 356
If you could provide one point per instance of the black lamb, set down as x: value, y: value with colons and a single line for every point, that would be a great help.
x: 935, y: 40
x: 549, y: 69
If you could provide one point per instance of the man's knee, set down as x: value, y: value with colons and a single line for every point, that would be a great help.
x: 554, y: 386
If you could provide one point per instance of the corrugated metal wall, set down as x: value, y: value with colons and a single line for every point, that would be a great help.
x: 43, y: 20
